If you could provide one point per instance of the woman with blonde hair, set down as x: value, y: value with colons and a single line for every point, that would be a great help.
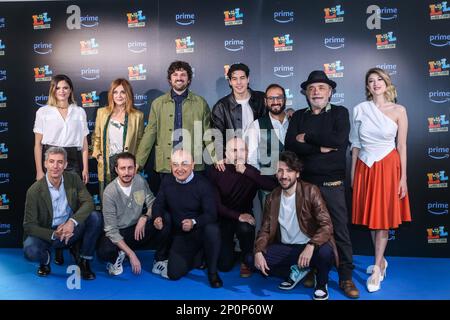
x: 380, y: 192
x: 118, y: 128
x: 61, y: 123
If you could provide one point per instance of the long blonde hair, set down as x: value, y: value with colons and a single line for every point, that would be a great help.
x: 391, y: 93
x: 129, y: 107
x: 52, y: 101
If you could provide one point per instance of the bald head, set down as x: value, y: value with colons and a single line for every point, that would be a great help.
x: 182, y: 164
x: 236, y: 151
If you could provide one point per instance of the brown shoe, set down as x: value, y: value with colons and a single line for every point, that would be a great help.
x: 245, y: 271
x: 310, y: 279
x: 349, y: 288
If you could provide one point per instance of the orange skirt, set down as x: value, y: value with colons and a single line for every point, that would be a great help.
x: 376, y: 202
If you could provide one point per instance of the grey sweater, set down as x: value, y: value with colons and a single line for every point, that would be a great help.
x: 120, y: 211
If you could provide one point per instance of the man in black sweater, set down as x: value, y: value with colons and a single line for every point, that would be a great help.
x: 189, y: 199
x: 319, y: 136
x: 235, y: 189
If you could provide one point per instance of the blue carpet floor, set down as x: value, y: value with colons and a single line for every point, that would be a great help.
x: 407, y: 278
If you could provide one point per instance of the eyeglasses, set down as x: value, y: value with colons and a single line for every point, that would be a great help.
x: 273, y: 98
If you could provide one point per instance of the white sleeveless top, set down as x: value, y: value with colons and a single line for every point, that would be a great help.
x: 372, y: 132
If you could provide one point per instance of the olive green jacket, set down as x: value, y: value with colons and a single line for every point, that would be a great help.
x: 161, y: 126
x: 38, y: 218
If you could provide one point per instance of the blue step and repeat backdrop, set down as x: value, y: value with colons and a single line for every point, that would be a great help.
x: 94, y: 42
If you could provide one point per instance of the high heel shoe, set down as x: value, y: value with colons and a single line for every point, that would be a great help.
x: 374, y: 281
x: 369, y: 269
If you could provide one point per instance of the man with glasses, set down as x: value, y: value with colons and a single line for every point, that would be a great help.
x: 266, y: 135
x: 319, y: 136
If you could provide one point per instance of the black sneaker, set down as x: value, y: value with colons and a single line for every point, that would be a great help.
x: 321, y: 293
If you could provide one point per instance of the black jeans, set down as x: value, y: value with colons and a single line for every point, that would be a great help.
x: 187, y: 248
x: 335, y: 199
x: 246, y: 236
x: 108, y: 251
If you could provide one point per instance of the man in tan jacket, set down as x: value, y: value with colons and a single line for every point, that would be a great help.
x: 296, y: 231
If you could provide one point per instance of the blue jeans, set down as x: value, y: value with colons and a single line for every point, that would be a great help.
x: 36, y: 249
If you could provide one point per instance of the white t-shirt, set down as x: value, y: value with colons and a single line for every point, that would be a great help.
x: 59, y: 132
x: 289, y: 225
x: 115, y: 136
x: 126, y: 190
x: 247, y: 113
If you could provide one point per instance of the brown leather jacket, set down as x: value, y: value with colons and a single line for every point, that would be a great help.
x: 312, y: 213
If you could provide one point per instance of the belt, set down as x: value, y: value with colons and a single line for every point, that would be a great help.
x: 333, y: 183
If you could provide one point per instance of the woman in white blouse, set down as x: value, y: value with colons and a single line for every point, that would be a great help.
x: 62, y: 123
x: 380, y: 192
x: 118, y: 128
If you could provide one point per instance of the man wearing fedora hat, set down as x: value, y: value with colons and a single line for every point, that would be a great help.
x: 319, y: 136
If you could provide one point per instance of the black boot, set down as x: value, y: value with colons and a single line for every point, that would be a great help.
x: 75, y: 251
x: 59, y: 256
x: 214, y: 280
x: 85, y: 270
x: 43, y: 270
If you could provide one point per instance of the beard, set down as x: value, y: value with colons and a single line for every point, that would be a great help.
x: 279, y: 111
x: 289, y: 185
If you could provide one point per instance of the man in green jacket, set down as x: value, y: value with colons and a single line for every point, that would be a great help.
x: 177, y: 119
x: 59, y: 213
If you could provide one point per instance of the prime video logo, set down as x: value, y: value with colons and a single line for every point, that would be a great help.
x: 90, y: 74
x: 283, y: 16
x: 283, y: 71
x: 391, y: 69
x: 185, y: 19
x: 93, y: 178
x: 5, y: 228
x: 137, y: 46
x: 43, y: 48
x: 89, y: 21
x: 2, y: 75
x: 440, y: 40
x: 140, y: 100
x: 438, y: 153
x: 3, y: 126
x: 334, y: 42
x: 337, y: 98
x: 437, y: 208
x: 4, y: 177
x: 439, y: 96
x: 91, y: 125
x: 41, y: 100
x: 234, y: 45
x: 387, y: 13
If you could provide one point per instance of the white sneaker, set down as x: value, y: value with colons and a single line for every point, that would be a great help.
x: 116, y: 268
x: 160, y: 267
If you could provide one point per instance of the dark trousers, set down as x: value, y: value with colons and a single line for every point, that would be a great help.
x: 280, y: 257
x: 246, y: 236
x: 186, y: 250
x: 335, y: 199
x: 108, y: 251
x: 74, y: 159
x: 36, y: 249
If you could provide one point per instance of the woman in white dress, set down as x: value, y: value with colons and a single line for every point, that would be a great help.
x: 380, y: 192
x: 62, y: 123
